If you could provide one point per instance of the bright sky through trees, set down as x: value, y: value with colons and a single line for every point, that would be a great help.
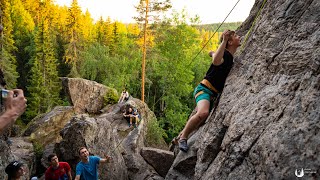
x: 210, y: 11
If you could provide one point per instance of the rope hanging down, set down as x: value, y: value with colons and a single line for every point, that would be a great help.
x: 214, y: 32
x: 254, y: 22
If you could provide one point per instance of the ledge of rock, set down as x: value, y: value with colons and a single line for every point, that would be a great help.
x: 160, y: 160
x: 86, y: 96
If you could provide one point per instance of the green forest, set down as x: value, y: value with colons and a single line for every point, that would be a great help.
x: 42, y: 41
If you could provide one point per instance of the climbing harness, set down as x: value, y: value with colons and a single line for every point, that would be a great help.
x: 209, y: 85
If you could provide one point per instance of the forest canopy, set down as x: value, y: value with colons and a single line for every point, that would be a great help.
x: 42, y: 41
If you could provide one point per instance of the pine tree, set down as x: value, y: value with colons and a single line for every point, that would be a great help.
x: 100, y: 35
x: 62, y: 39
x: 44, y: 86
x: 75, y: 35
x: 115, y: 39
x: 104, y: 31
x: 156, y: 8
x: 7, y: 60
x: 23, y: 27
x: 87, y: 28
x: 108, y: 30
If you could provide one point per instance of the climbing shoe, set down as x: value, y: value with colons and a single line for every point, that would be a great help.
x: 183, y: 146
x: 175, y: 140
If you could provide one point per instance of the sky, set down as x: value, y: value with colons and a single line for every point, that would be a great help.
x: 209, y: 11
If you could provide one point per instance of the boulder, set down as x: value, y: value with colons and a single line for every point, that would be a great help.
x: 6, y: 157
x: 86, y: 96
x: 17, y: 148
x: 109, y: 134
x: 48, y: 149
x: 160, y: 160
x: 99, y: 137
x: 45, y: 129
x: 184, y: 163
x: 22, y: 150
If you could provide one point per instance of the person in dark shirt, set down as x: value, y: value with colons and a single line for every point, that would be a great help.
x: 212, y: 84
x: 15, y: 170
x: 132, y: 116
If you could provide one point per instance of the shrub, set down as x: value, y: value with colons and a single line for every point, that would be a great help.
x: 111, y: 97
x: 155, y: 134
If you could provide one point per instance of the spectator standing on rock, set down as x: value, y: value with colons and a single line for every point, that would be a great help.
x: 57, y: 170
x: 87, y: 168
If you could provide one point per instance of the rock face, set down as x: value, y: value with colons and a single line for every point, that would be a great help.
x: 86, y: 96
x: 160, y: 160
x: 5, y: 157
x: 65, y: 129
x: 20, y: 149
x: 109, y: 134
x: 267, y: 122
x: 45, y: 129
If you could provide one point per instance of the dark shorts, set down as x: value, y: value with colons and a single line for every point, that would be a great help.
x: 204, y: 93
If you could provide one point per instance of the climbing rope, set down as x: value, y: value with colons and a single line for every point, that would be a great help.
x: 214, y: 32
x: 254, y: 22
x: 114, y: 149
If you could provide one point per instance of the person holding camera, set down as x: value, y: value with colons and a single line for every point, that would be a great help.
x: 15, y: 104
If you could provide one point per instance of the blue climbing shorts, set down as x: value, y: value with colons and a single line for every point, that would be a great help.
x: 202, y: 92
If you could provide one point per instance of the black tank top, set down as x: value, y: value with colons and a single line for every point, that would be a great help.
x: 217, y: 75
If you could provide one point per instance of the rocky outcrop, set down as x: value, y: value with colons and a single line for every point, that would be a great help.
x: 45, y: 129
x: 64, y: 129
x: 22, y: 150
x: 109, y: 134
x: 184, y: 163
x: 5, y: 157
x: 267, y: 122
x: 86, y: 96
x: 160, y: 160
x: 98, y: 136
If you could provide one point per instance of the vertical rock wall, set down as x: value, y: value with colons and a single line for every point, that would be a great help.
x: 267, y: 122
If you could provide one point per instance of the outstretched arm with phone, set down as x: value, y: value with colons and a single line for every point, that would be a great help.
x: 15, y: 105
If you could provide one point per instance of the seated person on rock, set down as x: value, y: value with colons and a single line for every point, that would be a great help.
x: 124, y: 96
x: 136, y: 116
x: 126, y: 113
x: 131, y: 116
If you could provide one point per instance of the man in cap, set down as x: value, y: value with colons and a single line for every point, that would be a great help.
x: 15, y: 170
